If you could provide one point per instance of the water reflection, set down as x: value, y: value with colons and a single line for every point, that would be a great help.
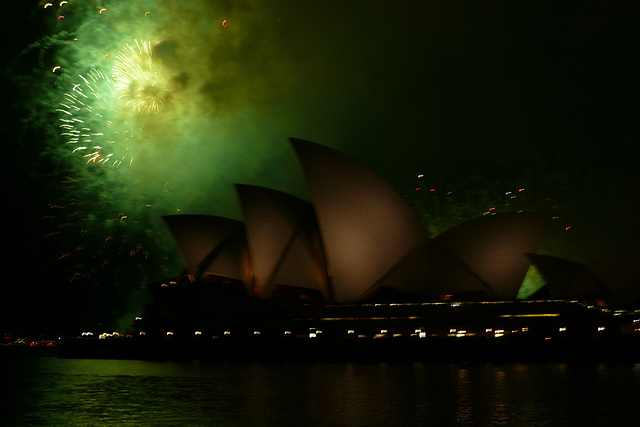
x: 500, y: 408
x: 51, y: 391
x: 464, y: 410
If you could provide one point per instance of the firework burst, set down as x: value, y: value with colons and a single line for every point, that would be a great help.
x: 139, y: 80
x: 86, y: 121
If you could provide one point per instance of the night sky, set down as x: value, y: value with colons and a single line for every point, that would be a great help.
x: 480, y: 98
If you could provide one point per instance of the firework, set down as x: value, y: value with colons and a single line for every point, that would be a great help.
x: 138, y: 78
x: 86, y: 121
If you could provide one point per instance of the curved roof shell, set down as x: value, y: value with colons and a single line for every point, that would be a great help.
x: 493, y: 248
x: 566, y: 279
x: 366, y: 226
x: 210, y: 245
x: 616, y: 279
x: 283, y: 240
x: 431, y: 271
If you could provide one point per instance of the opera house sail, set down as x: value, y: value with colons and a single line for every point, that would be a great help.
x: 211, y: 244
x: 366, y: 226
x: 284, y: 244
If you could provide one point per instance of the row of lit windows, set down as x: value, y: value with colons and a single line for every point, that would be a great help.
x: 383, y: 333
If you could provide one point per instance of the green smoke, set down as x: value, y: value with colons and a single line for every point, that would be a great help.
x: 214, y: 131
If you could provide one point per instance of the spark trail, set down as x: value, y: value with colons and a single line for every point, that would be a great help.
x: 86, y: 121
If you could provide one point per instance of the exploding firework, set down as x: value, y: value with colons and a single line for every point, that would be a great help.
x: 139, y: 80
x: 87, y: 113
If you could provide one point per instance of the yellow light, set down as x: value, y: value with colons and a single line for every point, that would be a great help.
x: 531, y: 315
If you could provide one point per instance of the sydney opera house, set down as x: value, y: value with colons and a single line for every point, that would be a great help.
x: 358, y: 262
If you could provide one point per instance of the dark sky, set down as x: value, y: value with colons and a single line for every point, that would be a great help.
x: 516, y: 93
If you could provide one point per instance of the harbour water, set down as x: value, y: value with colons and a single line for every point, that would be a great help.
x: 51, y: 391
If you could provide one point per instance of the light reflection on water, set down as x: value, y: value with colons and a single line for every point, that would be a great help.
x: 50, y: 391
